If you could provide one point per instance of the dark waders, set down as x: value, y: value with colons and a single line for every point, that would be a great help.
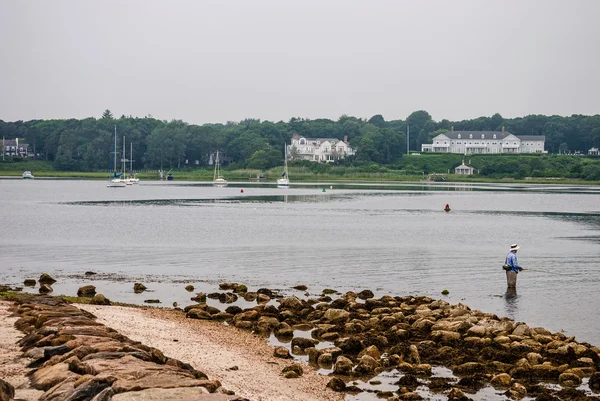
x: 511, y: 279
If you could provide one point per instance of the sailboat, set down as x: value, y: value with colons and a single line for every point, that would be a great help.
x: 123, y: 161
x: 218, y: 180
x: 132, y: 179
x: 115, y: 181
x: 284, y: 180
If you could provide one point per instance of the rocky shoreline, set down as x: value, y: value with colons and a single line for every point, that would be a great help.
x: 353, y: 337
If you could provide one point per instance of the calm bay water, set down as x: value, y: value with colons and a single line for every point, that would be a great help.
x: 393, y: 239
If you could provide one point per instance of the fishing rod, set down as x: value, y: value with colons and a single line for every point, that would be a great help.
x: 548, y: 272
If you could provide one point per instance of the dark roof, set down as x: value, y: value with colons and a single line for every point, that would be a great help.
x: 477, y: 134
x: 490, y: 135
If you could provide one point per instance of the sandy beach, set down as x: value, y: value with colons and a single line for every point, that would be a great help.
x: 12, y: 365
x: 217, y: 350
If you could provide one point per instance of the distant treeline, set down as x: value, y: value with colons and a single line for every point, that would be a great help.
x: 86, y: 145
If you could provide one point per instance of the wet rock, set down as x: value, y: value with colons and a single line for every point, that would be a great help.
x: 337, y: 384
x: 266, y: 292
x: 372, y: 351
x: 45, y: 289
x: 413, y: 355
x: 200, y: 297
x: 282, y: 352
x: 595, y: 382
x: 325, y: 359
x: 300, y: 287
x: 469, y: 368
x: 409, y: 381
x: 292, y: 371
x: 86, y: 291
x: 189, y: 288
x: 90, y: 273
x: 568, y: 379
x: 46, y: 279
x: 228, y: 298
x: 100, y: 299
x: 365, y: 294
x: 501, y: 380
x: 262, y: 298
x: 228, y: 286
x: 152, y: 301
x: 343, y: 366
x: 518, y: 390
x: 198, y: 314
x: 7, y: 391
x: 303, y: 343
x: 336, y: 316
x: 349, y: 345
x: 241, y: 289
x: 234, y: 310
x: 292, y: 303
x: 250, y: 296
x: 29, y: 283
x: 138, y: 288
x: 367, y: 365
x: 457, y: 395
x: 328, y: 291
x: 266, y: 324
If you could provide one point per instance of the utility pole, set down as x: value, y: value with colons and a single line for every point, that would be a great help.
x: 3, y: 148
x: 407, y: 139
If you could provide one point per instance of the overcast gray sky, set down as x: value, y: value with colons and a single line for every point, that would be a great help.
x: 213, y: 61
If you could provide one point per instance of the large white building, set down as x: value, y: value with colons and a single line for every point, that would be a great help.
x: 485, y: 142
x: 318, y: 149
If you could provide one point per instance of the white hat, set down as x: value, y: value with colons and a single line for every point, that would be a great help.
x: 514, y: 247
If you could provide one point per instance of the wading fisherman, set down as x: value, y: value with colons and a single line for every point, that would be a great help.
x: 512, y: 267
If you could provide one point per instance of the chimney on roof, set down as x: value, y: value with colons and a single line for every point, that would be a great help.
x: 452, y: 129
x: 345, y: 138
x: 503, y: 129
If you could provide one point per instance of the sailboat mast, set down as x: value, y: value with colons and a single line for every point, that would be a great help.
x: 131, y: 158
x: 123, y: 158
x: 115, y: 153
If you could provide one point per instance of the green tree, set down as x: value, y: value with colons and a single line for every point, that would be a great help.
x: 107, y: 114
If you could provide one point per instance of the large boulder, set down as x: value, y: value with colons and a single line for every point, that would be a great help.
x: 163, y: 394
x: 367, y: 365
x: 336, y: 316
x: 595, y: 382
x: 343, y: 366
x: 501, y: 380
x: 7, y: 391
x: 569, y: 379
x: 292, y: 303
x: 100, y: 299
x: 46, y: 279
x: 138, y: 288
x: 86, y: 291
x: 45, y: 289
x: 48, y: 377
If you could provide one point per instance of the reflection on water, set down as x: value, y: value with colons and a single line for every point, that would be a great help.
x: 511, y: 301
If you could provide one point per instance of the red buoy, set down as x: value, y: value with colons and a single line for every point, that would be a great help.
x: 241, y: 190
x: 447, y: 208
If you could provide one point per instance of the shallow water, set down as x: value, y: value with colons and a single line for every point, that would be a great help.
x: 390, y: 238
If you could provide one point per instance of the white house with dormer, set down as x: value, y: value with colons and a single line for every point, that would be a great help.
x: 318, y: 149
x: 12, y: 147
x: 485, y: 142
